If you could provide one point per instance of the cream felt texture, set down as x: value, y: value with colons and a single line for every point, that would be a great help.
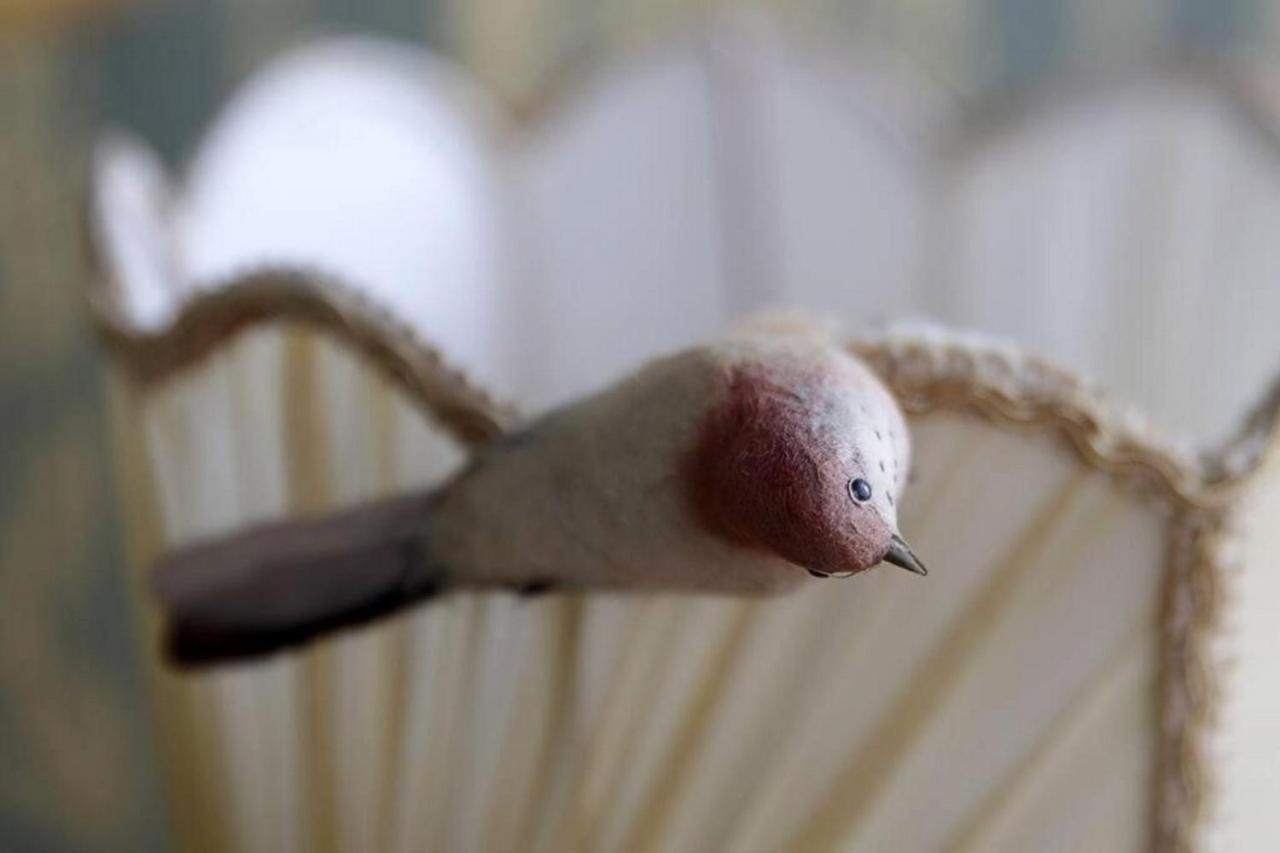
x: 593, y: 495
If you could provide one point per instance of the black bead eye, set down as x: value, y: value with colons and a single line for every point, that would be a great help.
x: 860, y: 490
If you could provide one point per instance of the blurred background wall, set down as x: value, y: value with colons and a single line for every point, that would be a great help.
x: 76, y: 772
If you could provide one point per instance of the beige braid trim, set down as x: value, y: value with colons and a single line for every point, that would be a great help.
x: 944, y: 370
x: 1201, y: 565
x: 214, y: 315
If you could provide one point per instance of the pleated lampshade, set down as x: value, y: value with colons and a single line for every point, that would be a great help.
x: 365, y: 260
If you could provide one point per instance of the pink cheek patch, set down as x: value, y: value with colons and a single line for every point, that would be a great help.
x: 762, y: 475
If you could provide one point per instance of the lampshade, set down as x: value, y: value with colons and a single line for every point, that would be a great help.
x: 365, y: 259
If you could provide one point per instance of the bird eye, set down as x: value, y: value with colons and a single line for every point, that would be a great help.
x: 860, y: 490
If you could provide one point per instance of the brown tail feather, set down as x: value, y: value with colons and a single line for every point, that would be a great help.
x: 283, y: 584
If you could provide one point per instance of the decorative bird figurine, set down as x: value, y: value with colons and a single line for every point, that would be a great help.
x: 744, y: 467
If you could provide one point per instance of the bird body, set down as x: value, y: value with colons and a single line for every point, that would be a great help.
x: 724, y: 468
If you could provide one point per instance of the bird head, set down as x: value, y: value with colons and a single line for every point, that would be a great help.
x: 803, y: 453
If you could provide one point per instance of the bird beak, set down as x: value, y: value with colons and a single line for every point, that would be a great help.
x: 900, y: 554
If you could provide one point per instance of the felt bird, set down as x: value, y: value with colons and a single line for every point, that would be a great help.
x: 744, y: 467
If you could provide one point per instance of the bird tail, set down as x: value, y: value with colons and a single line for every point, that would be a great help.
x: 282, y: 584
